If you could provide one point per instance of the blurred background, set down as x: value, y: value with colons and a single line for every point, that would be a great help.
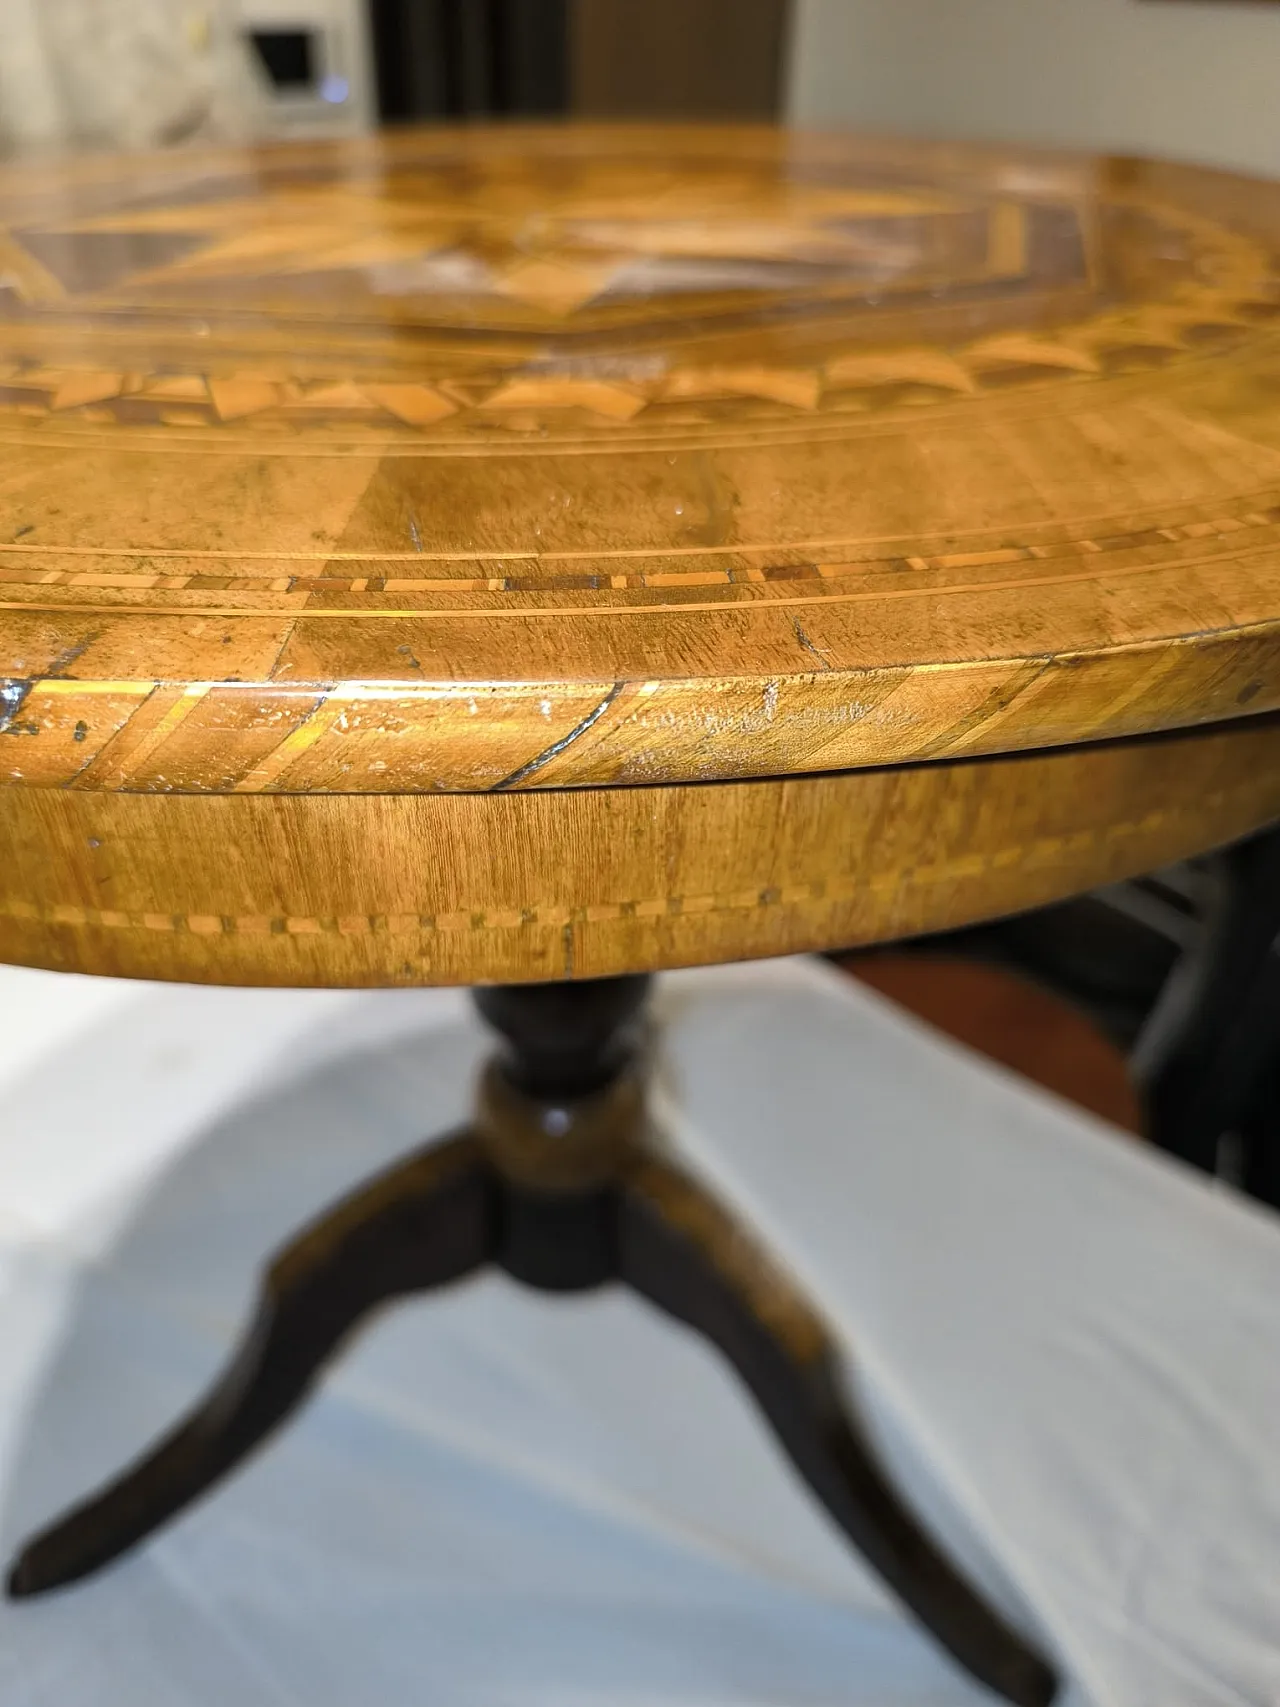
x: 1192, y: 78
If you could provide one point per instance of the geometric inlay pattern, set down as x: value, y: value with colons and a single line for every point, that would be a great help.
x: 480, y: 290
x: 520, y: 459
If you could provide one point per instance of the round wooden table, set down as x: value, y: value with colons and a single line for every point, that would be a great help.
x: 360, y: 501
x: 516, y: 556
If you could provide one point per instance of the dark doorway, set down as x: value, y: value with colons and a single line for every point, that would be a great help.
x: 458, y: 59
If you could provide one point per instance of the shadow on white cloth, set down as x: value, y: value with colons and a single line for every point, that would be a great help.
x: 1070, y: 1352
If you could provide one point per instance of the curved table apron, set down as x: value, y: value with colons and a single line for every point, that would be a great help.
x: 467, y: 888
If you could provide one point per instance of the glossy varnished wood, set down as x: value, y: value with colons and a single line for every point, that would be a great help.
x: 412, y: 889
x: 515, y: 460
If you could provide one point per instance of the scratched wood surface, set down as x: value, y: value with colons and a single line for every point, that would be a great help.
x: 516, y: 460
x: 524, y: 554
x: 465, y: 888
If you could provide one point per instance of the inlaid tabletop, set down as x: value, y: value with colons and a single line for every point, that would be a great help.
x: 516, y: 459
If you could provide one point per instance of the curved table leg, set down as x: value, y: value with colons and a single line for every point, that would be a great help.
x: 1204, y: 1061
x: 421, y: 1224
x: 684, y: 1253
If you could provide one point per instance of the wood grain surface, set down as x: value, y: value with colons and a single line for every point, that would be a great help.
x: 511, y: 460
x: 508, y: 887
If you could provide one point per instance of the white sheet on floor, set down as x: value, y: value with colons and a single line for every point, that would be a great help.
x: 1069, y: 1349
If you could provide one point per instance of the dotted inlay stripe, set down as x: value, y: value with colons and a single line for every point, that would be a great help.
x: 1044, y: 852
x: 1256, y: 525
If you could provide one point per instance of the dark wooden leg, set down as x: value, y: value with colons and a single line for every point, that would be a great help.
x: 420, y: 1225
x: 1205, y: 1060
x: 430, y: 1220
x: 554, y: 1184
x: 1260, y: 1138
x: 682, y: 1251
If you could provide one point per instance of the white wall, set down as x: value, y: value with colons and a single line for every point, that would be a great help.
x: 1185, y: 78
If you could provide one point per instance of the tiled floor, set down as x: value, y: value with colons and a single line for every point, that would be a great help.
x: 1010, y: 1021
